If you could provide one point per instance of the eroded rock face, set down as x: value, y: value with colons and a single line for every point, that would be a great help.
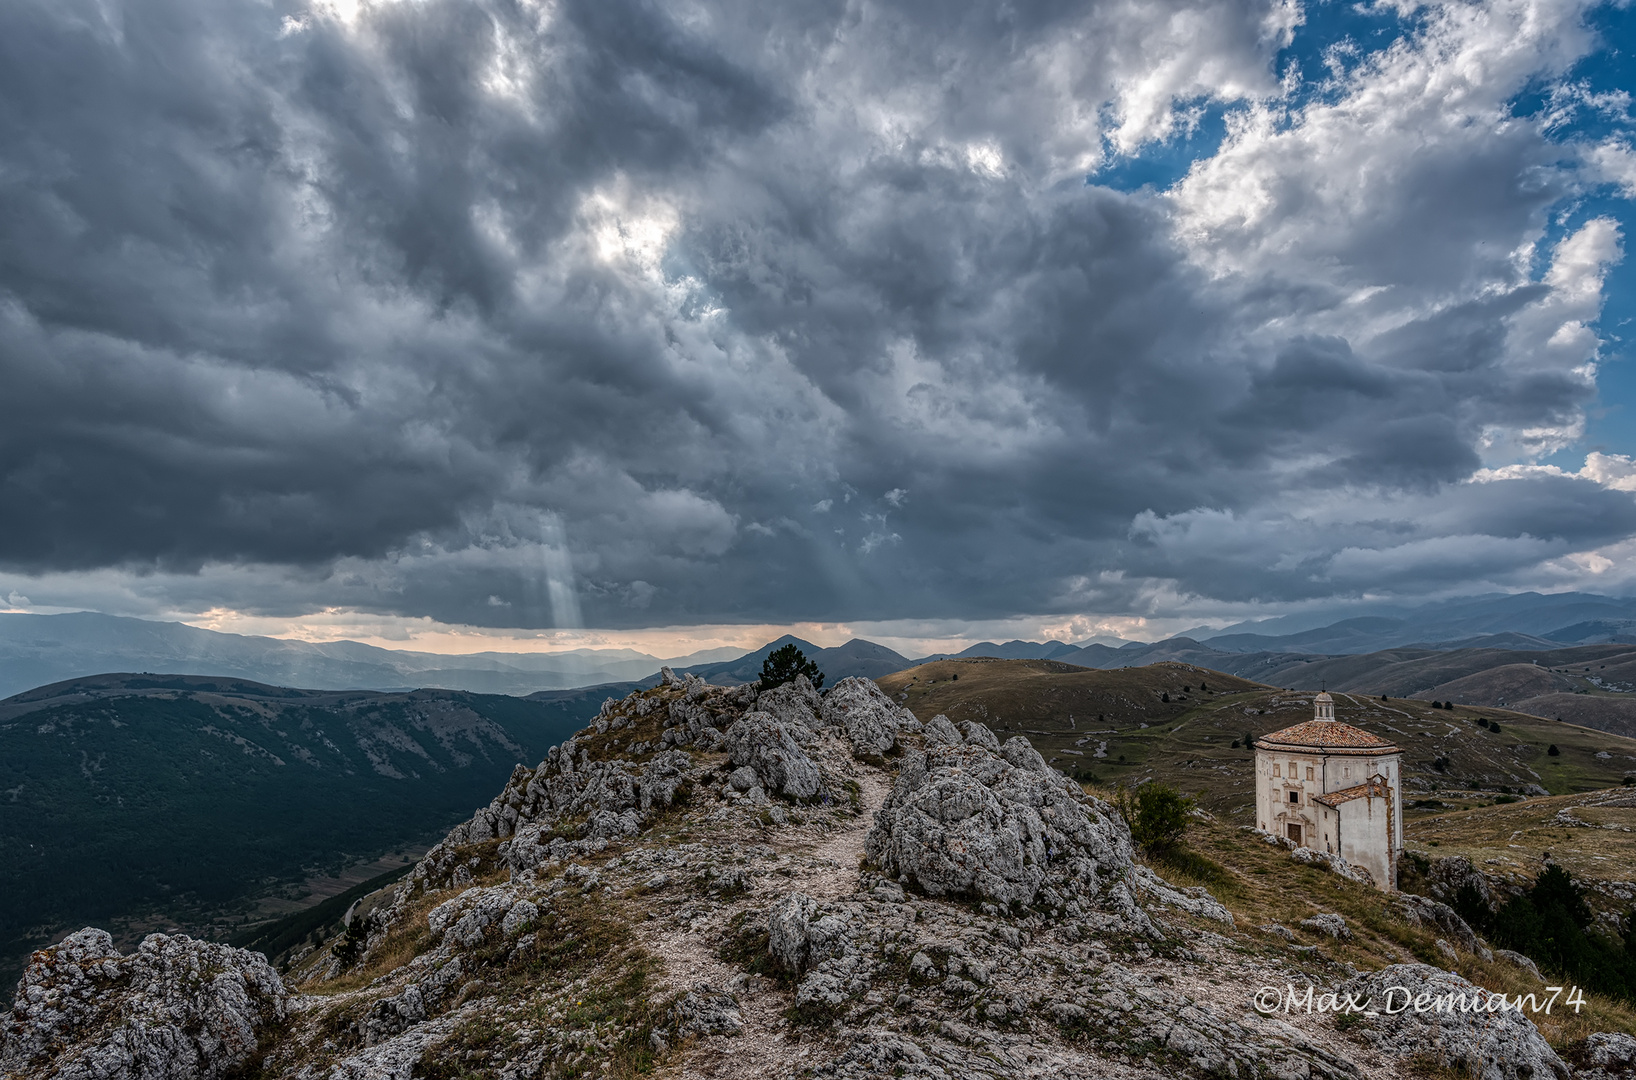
x: 940, y: 732
x: 1607, y: 1056
x: 795, y: 704
x: 1489, y: 1045
x: 1330, y: 924
x: 175, y: 1009
x: 1422, y: 911
x: 995, y: 823
x: 787, y: 926
x: 867, y: 716
x: 763, y: 743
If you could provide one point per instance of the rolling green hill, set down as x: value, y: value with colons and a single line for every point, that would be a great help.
x: 1114, y: 725
x: 147, y: 802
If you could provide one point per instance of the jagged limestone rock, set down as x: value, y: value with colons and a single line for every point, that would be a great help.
x: 1423, y: 911
x: 175, y: 1009
x: 966, y: 821
x: 787, y: 925
x: 766, y: 745
x: 1334, y: 863
x: 1486, y: 1044
x: 706, y: 1010
x: 1330, y: 924
x: 940, y: 732
x: 794, y: 704
x: 979, y: 735
x: 1607, y: 1055
x: 867, y: 716
x: 1521, y: 961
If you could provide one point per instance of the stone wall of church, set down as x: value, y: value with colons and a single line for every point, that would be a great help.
x: 1366, y: 827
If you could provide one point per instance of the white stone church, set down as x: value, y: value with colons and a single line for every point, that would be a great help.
x: 1334, y: 788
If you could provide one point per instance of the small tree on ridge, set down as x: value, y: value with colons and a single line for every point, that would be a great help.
x: 784, y: 664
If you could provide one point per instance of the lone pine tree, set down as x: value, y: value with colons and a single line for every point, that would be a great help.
x: 784, y: 664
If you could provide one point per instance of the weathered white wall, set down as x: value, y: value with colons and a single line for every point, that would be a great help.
x: 1365, y: 839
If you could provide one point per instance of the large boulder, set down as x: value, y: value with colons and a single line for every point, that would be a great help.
x: 1426, y: 1012
x: 175, y: 1009
x: 965, y: 820
x: 794, y: 704
x: 869, y: 718
x: 1607, y: 1055
x: 763, y: 743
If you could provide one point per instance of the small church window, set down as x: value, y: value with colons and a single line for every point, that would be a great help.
x: 1295, y: 796
x: 1347, y: 772
x: 1275, y: 771
x: 1309, y: 772
x: 1292, y: 770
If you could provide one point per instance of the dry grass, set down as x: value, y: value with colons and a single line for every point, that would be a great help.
x: 1511, y: 840
x: 1260, y: 884
x: 410, y: 936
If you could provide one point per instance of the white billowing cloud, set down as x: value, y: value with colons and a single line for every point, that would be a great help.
x: 1614, y: 471
x: 1613, y: 161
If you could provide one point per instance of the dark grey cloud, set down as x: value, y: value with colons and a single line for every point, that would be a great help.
x: 755, y: 312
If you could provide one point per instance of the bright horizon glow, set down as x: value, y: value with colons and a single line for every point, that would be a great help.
x: 911, y: 638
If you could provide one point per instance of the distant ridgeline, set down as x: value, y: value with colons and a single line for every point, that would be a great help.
x: 168, y: 801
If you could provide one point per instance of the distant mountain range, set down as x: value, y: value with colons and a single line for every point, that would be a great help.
x: 41, y: 649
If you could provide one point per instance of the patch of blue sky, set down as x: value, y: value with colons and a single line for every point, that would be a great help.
x: 1588, y: 105
x: 1336, y: 35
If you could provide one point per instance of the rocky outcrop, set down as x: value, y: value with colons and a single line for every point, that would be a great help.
x: 1335, y: 864
x: 767, y: 746
x: 703, y: 1010
x: 795, y: 704
x: 867, y: 716
x: 1329, y: 924
x: 1463, y: 1034
x: 998, y: 825
x: 1606, y: 1056
x: 175, y: 1009
x: 695, y: 884
x: 1444, y: 920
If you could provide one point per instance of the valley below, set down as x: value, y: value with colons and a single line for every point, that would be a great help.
x: 147, y: 803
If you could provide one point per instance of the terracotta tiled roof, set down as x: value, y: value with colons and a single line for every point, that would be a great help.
x: 1369, y: 789
x: 1322, y: 733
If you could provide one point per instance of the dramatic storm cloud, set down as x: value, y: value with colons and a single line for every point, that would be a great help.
x: 597, y: 312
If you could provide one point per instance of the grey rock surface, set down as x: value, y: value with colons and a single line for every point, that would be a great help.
x: 1330, y: 924
x: 938, y: 731
x: 760, y: 741
x: 1607, y: 1055
x: 1521, y: 961
x: 868, y: 717
x: 787, y: 926
x: 706, y: 1010
x: 966, y: 821
x: 1464, y: 1035
x: 175, y: 1009
x: 1438, y: 916
x: 796, y: 705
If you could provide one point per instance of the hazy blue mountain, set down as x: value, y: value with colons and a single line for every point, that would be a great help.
x: 1440, y: 624
x: 1011, y: 650
x: 148, y: 800
x: 856, y: 657
x: 40, y: 649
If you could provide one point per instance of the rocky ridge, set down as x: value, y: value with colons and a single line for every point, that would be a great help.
x: 718, y: 882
